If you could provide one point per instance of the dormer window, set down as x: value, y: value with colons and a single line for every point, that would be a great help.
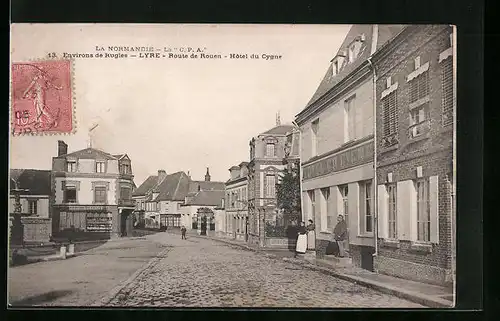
x: 100, y: 167
x: 335, y: 67
x: 338, y: 62
x: 355, y: 48
x: 71, y: 166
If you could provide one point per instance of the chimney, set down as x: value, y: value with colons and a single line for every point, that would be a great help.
x: 207, y: 176
x: 62, y: 148
x: 161, y: 175
x: 234, y: 172
x: 278, y: 119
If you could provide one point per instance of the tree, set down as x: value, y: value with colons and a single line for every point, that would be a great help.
x: 288, y: 192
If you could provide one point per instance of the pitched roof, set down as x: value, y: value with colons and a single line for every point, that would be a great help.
x: 278, y: 130
x: 207, y: 198
x: 174, y: 187
x: 195, y: 186
x: 385, y: 33
x: 90, y: 153
x: 37, y: 182
x: 147, y: 185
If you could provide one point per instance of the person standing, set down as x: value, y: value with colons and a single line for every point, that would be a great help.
x: 340, y: 234
x: 183, y: 232
x: 301, y: 246
x: 311, y: 236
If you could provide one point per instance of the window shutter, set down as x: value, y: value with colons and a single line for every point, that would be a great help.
x: 434, y: 208
x: 404, y: 208
x: 382, y: 212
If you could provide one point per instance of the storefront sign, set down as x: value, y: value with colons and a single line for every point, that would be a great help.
x: 353, y: 157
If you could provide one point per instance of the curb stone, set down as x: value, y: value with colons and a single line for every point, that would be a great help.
x: 425, y: 300
x: 114, y: 292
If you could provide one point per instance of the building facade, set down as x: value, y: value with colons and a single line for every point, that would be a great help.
x: 206, y: 195
x: 337, y: 147
x: 160, y: 197
x: 267, y: 151
x: 235, y: 224
x: 92, y: 192
x: 34, y: 189
x: 415, y: 112
x: 165, y: 200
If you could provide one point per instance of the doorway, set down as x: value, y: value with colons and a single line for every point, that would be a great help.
x: 367, y: 258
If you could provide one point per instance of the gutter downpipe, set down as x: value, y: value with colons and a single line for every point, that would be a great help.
x: 300, y: 168
x: 375, y: 193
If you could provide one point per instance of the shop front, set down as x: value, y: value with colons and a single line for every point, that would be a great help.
x: 341, y: 183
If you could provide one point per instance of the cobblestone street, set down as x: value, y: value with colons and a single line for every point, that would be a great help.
x: 204, y: 273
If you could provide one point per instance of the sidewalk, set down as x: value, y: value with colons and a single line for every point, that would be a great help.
x: 426, y: 294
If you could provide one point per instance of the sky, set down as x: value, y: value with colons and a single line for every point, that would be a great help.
x: 177, y: 114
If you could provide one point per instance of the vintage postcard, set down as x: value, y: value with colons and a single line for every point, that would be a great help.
x: 232, y: 166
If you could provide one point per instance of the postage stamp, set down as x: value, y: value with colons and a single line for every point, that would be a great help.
x: 42, y: 97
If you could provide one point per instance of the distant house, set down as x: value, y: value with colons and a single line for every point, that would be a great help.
x: 159, y: 197
x: 236, y: 204
x: 34, y: 187
x: 202, y: 194
x: 93, y: 192
x: 168, y: 200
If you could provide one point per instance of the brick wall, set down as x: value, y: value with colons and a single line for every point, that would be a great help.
x: 431, y: 150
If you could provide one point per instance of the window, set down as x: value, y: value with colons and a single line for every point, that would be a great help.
x: 244, y: 192
x: 312, y: 200
x: 314, y: 137
x: 100, y: 167
x: 99, y: 194
x: 70, y: 194
x: 33, y: 207
x: 366, y: 209
x: 158, y: 206
x: 270, y: 186
x: 419, y: 123
x: 351, y: 53
x: 335, y: 67
x: 419, y: 87
x: 392, y: 211
x: 179, y: 205
x: 344, y: 192
x: 125, y: 169
x: 270, y: 152
x: 423, y: 210
x: 447, y: 87
x: 390, y: 117
x: 71, y: 166
x: 325, y: 221
x: 125, y: 192
x: 350, y: 119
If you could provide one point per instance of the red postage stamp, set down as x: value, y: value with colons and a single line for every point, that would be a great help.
x: 42, y: 97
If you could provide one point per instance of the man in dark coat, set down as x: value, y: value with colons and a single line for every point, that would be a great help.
x: 340, y: 234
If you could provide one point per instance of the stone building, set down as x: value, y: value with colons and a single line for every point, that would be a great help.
x: 415, y: 112
x: 267, y: 151
x: 92, y: 192
x: 337, y: 145
x: 206, y: 194
x: 236, y: 209
x: 159, y: 199
x: 166, y: 200
x: 35, y: 194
